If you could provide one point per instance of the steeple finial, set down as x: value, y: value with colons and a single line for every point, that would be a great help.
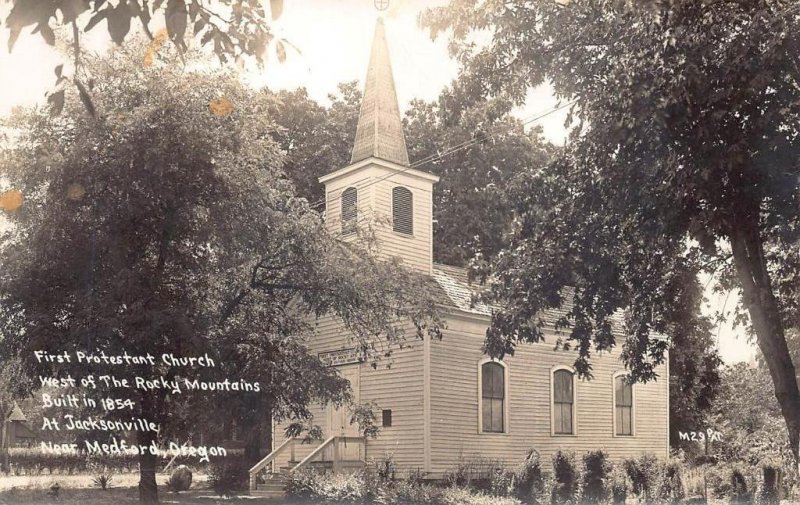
x: 380, y: 130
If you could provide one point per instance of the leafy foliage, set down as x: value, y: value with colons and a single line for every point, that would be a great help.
x: 236, y: 27
x: 643, y: 474
x: 749, y: 416
x: 476, y: 150
x: 565, y: 475
x: 682, y: 160
x: 184, y: 236
x: 596, y: 470
x: 228, y: 476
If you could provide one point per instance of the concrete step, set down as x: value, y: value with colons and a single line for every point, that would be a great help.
x: 278, y: 488
x: 265, y: 493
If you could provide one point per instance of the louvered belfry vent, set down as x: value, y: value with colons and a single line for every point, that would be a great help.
x: 402, y: 210
x: 349, y: 210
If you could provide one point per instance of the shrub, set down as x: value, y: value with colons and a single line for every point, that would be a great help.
x: 461, y: 496
x: 227, y: 477
x: 407, y: 493
x: 769, y: 487
x: 386, y: 468
x: 301, y: 485
x: 475, y: 473
x: 55, y: 489
x: 310, y: 486
x: 643, y: 475
x: 103, y: 481
x: 503, y: 482
x: 670, y: 491
x: 530, y: 483
x: 565, y: 474
x: 738, y: 493
x: 595, y: 476
x: 416, y: 477
x: 180, y: 480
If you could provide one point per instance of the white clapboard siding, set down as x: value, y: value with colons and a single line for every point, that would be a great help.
x: 374, y: 183
x: 454, y: 404
x: 395, y: 383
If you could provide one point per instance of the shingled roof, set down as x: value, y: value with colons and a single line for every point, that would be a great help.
x: 380, y: 130
x: 458, y: 292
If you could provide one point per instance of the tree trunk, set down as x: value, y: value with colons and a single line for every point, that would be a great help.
x: 148, y: 489
x: 758, y: 297
x: 252, y: 447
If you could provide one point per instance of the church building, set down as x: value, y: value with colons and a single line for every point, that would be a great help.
x: 445, y: 402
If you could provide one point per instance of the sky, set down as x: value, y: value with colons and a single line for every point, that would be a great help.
x: 334, y: 38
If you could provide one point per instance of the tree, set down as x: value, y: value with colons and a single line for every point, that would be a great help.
x: 164, y: 223
x: 683, y: 160
x: 476, y: 149
x: 317, y: 139
x: 470, y: 209
x: 237, y: 27
x: 749, y: 418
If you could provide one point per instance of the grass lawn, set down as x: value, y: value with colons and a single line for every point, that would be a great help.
x: 79, y: 490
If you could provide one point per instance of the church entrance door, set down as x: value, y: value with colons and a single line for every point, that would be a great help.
x: 339, y: 418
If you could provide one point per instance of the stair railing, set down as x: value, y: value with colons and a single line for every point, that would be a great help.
x: 330, y: 442
x: 270, y: 458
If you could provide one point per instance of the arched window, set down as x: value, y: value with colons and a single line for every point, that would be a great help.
x: 563, y: 402
x: 623, y: 406
x: 349, y: 210
x: 402, y: 210
x: 493, y: 397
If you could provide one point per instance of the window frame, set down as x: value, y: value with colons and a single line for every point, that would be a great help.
x: 411, y: 211
x: 553, y: 371
x: 348, y: 227
x: 506, y: 395
x: 614, y: 378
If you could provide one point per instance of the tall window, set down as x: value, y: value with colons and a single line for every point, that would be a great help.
x: 563, y: 403
x: 402, y: 210
x: 349, y: 210
x: 623, y: 406
x: 493, y: 392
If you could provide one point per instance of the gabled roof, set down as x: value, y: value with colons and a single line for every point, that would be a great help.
x: 380, y: 130
x: 16, y: 414
x: 461, y: 294
x: 455, y: 284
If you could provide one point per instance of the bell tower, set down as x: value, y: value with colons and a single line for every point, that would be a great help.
x: 380, y: 190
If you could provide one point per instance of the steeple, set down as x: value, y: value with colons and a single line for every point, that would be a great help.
x: 379, y: 192
x: 380, y: 131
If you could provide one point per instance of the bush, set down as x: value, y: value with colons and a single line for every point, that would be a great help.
x: 643, y: 475
x: 461, y: 496
x: 311, y: 487
x: 476, y: 473
x: 670, y: 491
x: 408, y: 493
x: 180, y: 480
x: 228, y: 476
x: 416, y: 477
x: 595, y: 476
x: 530, y: 483
x: 103, y: 481
x: 386, y: 468
x: 769, y: 487
x: 565, y: 474
x: 739, y: 494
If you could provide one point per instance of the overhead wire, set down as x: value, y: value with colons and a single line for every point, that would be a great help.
x: 458, y: 147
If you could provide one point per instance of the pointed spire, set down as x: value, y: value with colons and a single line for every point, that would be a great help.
x: 380, y: 131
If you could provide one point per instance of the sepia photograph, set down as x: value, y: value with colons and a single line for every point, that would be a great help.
x: 413, y: 252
